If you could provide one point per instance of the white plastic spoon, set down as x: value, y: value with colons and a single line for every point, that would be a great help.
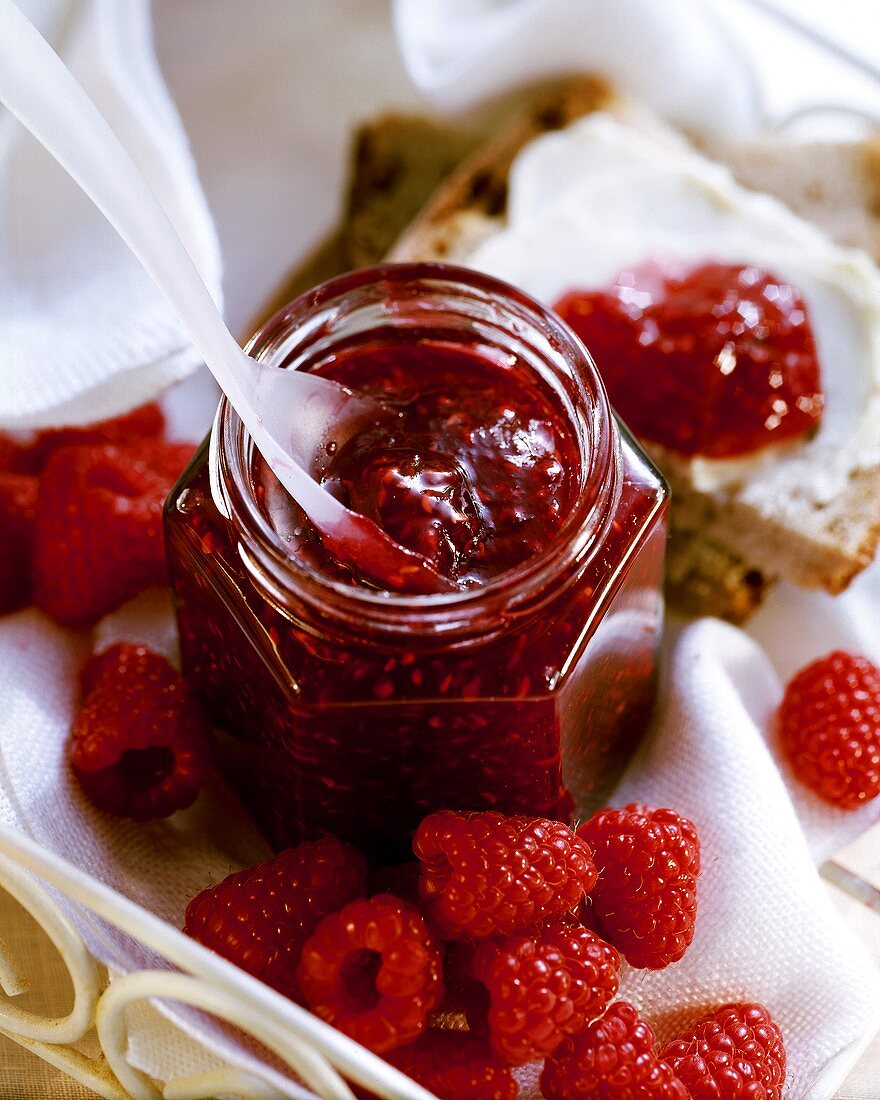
x: 288, y: 414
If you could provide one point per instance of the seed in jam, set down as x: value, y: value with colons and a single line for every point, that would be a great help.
x: 422, y: 499
x: 476, y: 473
x: 719, y: 362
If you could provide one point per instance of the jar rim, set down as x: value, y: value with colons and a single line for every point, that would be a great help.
x: 267, y: 556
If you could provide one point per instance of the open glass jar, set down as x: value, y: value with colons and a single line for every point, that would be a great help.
x: 352, y: 711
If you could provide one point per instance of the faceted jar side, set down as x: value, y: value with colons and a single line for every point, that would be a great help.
x: 361, y: 740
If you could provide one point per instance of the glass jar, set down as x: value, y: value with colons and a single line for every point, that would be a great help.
x: 355, y: 712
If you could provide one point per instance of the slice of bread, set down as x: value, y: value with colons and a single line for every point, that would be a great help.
x: 422, y: 189
x: 723, y: 554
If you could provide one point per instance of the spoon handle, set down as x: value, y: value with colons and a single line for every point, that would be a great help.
x: 40, y: 90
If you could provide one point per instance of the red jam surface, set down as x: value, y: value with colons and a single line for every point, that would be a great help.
x: 334, y: 723
x: 718, y: 362
x: 476, y: 472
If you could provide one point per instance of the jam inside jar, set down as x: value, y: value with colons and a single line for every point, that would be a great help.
x: 348, y: 710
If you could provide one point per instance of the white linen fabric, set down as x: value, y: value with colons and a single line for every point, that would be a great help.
x: 766, y: 929
x: 84, y: 334
x: 676, y: 55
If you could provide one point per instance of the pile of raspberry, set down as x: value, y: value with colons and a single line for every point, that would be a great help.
x: 81, y: 515
x: 80, y: 534
x: 499, y: 946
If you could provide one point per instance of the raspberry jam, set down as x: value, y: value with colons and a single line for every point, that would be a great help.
x: 476, y: 472
x: 354, y: 711
x: 719, y: 362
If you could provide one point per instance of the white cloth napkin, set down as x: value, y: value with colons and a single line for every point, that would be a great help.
x: 707, y: 753
x: 677, y: 56
x: 766, y: 928
x: 84, y: 334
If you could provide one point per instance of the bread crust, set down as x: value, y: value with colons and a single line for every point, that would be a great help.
x: 471, y: 203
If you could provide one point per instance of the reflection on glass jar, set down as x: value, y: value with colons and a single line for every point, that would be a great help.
x: 353, y: 711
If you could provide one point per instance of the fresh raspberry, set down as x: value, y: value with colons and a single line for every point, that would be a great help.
x: 29, y: 452
x: 543, y: 987
x: 455, y: 1066
x: 145, y: 422
x: 18, y: 512
x: 14, y: 456
x: 375, y: 971
x: 645, y: 902
x: 22, y: 459
x: 735, y: 1052
x: 484, y: 874
x: 829, y: 728
x: 140, y: 742
x: 98, y: 538
x: 260, y: 918
x: 612, y: 1059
